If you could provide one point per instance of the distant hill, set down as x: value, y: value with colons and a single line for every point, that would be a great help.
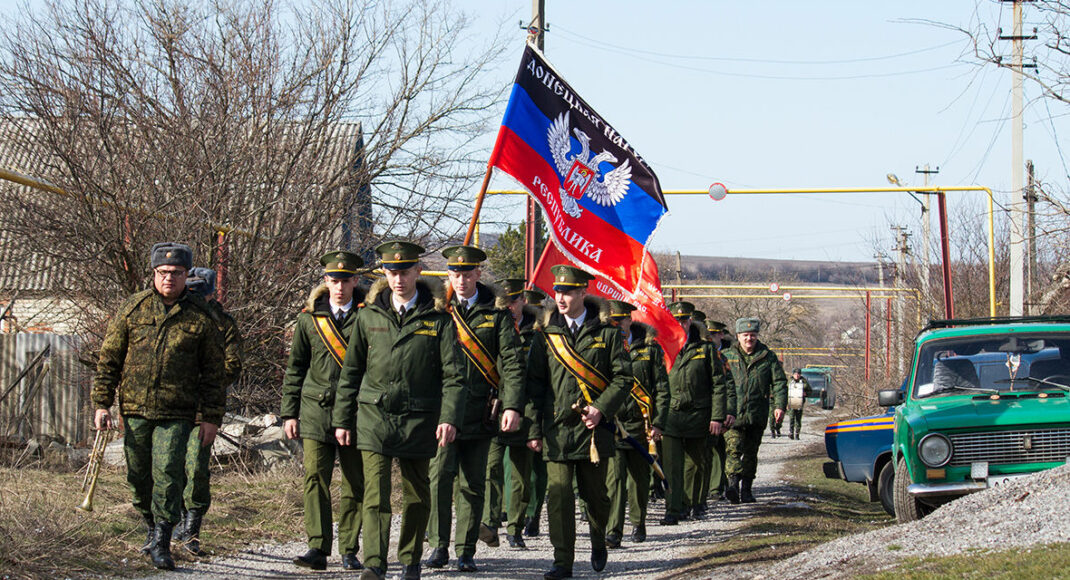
x: 754, y: 269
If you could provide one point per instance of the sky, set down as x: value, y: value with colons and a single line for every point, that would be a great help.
x: 789, y: 94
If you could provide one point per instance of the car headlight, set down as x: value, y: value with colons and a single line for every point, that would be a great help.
x: 934, y: 450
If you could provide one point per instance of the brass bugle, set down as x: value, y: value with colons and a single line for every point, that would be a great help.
x: 96, y: 457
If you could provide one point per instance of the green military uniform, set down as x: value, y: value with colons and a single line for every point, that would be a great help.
x: 698, y: 394
x: 795, y: 425
x: 163, y: 363
x: 629, y: 471
x: 515, y: 443
x: 401, y: 379
x: 538, y: 480
x: 759, y: 378
x: 567, y: 442
x: 309, y: 395
x: 493, y: 340
x: 718, y: 479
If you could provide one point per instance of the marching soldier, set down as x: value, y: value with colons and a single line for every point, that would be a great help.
x: 198, y: 496
x: 400, y: 391
x: 515, y: 443
x: 798, y: 389
x: 162, y: 355
x: 578, y: 376
x: 699, y: 402
x: 538, y: 466
x: 494, y: 379
x: 629, y: 470
x: 759, y: 379
x: 718, y: 480
x: 308, y: 396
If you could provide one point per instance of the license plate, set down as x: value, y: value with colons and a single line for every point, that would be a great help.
x: 996, y: 480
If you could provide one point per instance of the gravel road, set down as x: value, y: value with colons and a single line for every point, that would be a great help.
x: 667, y: 549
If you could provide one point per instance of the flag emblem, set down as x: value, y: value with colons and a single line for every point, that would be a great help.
x: 582, y: 170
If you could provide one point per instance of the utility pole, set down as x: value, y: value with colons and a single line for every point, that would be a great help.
x: 882, y: 307
x: 1030, y: 237
x: 1017, y: 238
x: 533, y: 225
x: 902, y: 249
x: 926, y: 247
x: 679, y: 269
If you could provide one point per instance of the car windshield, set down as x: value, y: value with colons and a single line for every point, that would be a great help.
x: 817, y: 381
x: 993, y: 364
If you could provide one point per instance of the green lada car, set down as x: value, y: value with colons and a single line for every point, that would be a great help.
x: 987, y: 400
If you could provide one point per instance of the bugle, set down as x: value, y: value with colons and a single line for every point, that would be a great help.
x: 92, y: 469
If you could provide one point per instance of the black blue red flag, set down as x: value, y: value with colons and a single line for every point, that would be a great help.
x: 602, y: 202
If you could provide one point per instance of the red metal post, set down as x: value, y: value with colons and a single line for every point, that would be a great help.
x: 945, y: 255
x: 867, y: 333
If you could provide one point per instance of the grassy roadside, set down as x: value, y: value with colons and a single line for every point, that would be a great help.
x: 42, y: 535
x: 828, y: 509
x: 1049, y: 561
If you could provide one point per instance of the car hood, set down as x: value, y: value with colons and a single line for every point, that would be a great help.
x: 974, y: 412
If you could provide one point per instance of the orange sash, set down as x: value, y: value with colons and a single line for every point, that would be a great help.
x: 588, y: 377
x: 475, y: 351
x: 332, y: 338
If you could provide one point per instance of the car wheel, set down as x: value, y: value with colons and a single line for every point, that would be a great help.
x: 886, y: 487
x: 907, y: 509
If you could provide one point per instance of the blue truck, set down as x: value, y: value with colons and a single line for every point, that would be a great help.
x: 860, y: 450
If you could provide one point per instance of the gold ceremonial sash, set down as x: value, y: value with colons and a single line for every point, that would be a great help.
x: 332, y: 338
x: 588, y: 377
x: 643, y: 398
x: 475, y: 351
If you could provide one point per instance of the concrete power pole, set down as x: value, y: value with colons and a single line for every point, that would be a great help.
x: 533, y: 222
x: 926, y: 230
x: 902, y: 249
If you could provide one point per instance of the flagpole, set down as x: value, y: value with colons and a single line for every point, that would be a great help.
x: 472, y: 224
x: 538, y: 266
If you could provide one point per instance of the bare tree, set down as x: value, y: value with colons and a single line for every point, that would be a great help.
x: 260, y: 133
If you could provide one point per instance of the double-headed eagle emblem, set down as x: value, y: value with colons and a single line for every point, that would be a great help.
x: 580, y: 171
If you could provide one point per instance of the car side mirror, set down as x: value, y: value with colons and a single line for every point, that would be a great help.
x: 889, y: 398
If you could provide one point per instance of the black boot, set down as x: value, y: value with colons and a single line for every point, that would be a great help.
x: 160, y: 552
x: 179, y: 534
x: 732, y: 491
x: 192, y: 529
x: 531, y: 527
x: 745, y: 494
x: 150, y: 533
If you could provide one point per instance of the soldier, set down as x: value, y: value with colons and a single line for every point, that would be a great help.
x: 629, y: 469
x: 718, y: 480
x: 759, y: 379
x: 698, y: 403
x: 538, y: 466
x: 400, y: 391
x: 798, y: 389
x: 578, y: 375
x: 198, y: 497
x: 520, y: 457
x: 308, y: 397
x: 163, y: 356
x: 494, y: 379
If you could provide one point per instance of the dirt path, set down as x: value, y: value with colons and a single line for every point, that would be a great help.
x: 666, y: 551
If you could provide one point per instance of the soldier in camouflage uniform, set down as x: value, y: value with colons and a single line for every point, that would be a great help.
x: 515, y: 443
x: 401, y: 389
x: 308, y: 394
x: 494, y: 377
x: 578, y: 374
x: 198, y: 497
x: 162, y: 357
x: 760, y: 379
x: 629, y: 470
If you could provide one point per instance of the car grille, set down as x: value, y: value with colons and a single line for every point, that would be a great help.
x: 1004, y: 447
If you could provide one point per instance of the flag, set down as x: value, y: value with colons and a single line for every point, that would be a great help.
x: 648, y: 301
x: 602, y: 202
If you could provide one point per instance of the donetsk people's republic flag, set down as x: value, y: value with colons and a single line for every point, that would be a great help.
x: 601, y: 200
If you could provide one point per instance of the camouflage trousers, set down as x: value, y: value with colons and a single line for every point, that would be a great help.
x: 197, y: 495
x: 155, y: 465
x: 741, y: 450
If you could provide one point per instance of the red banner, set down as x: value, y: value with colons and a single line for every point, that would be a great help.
x: 650, y: 306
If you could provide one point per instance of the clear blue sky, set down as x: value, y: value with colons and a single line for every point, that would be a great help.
x: 789, y: 94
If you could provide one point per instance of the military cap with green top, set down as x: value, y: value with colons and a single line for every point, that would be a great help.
x: 698, y: 316
x: 463, y: 258
x: 620, y: 309
x: 681, y: 309
x: 569, y: 278
x: 748, y: 325
x: 341, y: 264
x: 398, y: 254
x: 716, y: 326
x: 534, y: 297
x: 512, y: 287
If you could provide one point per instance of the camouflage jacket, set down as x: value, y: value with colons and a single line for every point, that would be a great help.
x: 232, y: 348
x: 760, y: 383
x: 162, y: 363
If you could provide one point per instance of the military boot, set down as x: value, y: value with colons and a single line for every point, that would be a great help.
x: 745, y: 495
x: 150, y: 533
x: 192, y: 532
x: 732, y: 491
x: 179, y: 534
x: 160, y: 551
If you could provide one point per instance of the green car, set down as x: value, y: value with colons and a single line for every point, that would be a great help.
x: 986, y: 401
